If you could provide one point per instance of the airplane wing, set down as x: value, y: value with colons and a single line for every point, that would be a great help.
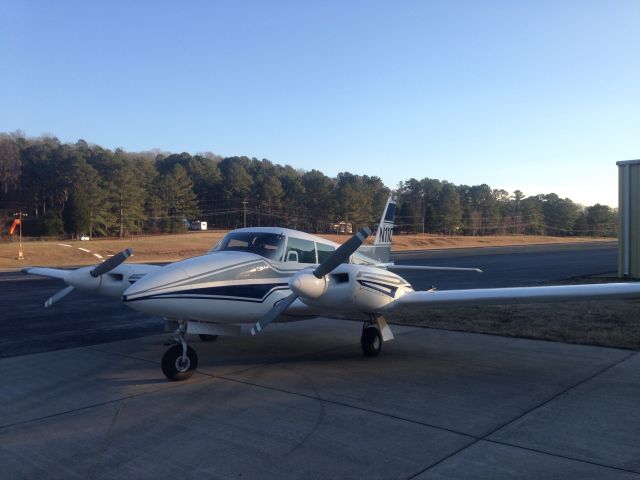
x: 514, y: 295
x: 110, y: 278
x: 47, y: 272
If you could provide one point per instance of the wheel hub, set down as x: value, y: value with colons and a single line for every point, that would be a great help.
x: 182, y: 364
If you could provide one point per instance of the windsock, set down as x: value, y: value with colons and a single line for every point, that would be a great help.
x: 15, y: 223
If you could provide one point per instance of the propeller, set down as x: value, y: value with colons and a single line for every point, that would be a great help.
x: 62, y: 293
x: 274, y: 313
x: 312, y: 284
x: 343, y: 252
x: 78, y: 278
x: 111, y: 263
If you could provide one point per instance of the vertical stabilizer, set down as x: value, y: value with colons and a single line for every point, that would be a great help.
x: 385, y: 229
x: 381, y: 249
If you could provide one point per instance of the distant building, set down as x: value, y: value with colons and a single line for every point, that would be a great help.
x: 197, y: 225
x: 342, y: 227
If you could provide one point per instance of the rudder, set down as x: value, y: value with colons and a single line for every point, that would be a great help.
x: 381, y: 249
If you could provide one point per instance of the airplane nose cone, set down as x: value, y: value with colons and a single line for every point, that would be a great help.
x: 156, y: 292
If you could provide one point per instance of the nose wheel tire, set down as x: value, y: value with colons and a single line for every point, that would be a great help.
x: 175, y: 367
x: 371, y: 341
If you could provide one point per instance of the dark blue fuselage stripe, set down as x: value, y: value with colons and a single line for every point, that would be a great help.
x: 246, y: 293
x: 209, y: 297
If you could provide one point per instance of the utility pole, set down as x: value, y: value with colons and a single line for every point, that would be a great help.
x: 121, y: 215
x: 244, y: 204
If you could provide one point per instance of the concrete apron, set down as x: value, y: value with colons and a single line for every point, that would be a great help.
x: 301, y: 401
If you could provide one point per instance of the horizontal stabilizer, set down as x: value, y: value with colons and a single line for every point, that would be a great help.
x: 427, y: 268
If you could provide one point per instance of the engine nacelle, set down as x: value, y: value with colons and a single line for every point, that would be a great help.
x: 82, y: 279
x: 354, y: 288
x: 111, y: 284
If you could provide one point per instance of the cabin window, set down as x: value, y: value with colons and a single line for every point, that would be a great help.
x: 324, y: 251
x: 305, y: 249
x: 268, y: 245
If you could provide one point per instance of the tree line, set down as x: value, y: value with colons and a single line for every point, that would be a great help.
x: 436, y: 206
x: 80, y: 188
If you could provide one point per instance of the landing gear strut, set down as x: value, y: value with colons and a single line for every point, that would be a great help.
x: 180, y: 361
x: 371, y: 340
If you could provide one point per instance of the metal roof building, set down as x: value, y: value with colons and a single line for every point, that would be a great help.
x: 629, y: 218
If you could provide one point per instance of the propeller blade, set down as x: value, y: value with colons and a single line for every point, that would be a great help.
x: 343, y: 252
x: 62, y: 293
x: 274, y: 313
x: 111, y: 263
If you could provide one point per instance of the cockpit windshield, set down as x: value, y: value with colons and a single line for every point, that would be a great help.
x: 268, y: 245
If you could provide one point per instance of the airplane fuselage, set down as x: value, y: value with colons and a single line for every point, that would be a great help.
x: 233, y: 287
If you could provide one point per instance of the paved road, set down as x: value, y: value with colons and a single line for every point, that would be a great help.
x: 79, y: 319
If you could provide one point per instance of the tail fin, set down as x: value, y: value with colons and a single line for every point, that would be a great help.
x: 381, y: 249
x: 385, y: 229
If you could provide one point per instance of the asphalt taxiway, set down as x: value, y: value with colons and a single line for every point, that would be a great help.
x: 512, y: 266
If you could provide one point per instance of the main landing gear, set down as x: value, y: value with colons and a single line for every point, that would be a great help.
x: 371, y: 341
x: 374, y: 333
x: 180, y: 360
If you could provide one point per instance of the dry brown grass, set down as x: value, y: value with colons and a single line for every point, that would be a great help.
x: 610, y: 324
x: 148, y: 249
x: 430, y: 241
x: 614, y: 323
x: 170, y: 248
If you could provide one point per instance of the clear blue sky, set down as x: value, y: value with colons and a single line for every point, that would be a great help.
x: 543, y: 96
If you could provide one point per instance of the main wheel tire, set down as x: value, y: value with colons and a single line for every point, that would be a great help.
x: 371, y: 341
x: 207, y: 338
x: 174, y: 367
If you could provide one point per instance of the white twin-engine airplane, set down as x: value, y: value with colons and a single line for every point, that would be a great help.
x: 260, y: 275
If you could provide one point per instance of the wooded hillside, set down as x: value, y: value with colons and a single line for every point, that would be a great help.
x: 86, y: 189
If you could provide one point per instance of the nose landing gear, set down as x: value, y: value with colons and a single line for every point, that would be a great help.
x: 180, y: 361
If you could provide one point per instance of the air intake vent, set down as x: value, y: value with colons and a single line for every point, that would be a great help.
x: 340, y: 277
